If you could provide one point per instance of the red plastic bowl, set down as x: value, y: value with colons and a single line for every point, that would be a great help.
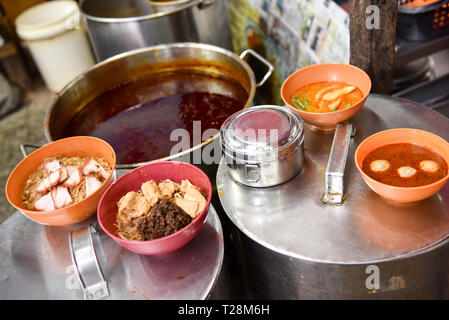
x: 132, y: 181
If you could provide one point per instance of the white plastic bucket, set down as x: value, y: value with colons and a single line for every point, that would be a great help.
x: 57, y: 42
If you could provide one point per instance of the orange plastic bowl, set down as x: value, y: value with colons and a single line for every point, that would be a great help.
x: 326, y: 72
x: 69, y: 147
x: 402, y: 195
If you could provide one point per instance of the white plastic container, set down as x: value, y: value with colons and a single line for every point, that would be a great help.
x: 57, y: 42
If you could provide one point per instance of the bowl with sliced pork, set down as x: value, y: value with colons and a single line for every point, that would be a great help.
x: 62, y: 182
x: 156, y: 208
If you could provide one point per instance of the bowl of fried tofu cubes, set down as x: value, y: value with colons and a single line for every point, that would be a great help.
x: 156, y: 208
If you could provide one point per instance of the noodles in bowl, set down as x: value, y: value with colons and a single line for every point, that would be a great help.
x: 62, y: 181
x: 50, y: 155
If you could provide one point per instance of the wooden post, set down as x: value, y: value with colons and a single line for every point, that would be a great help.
x: 373, y: 39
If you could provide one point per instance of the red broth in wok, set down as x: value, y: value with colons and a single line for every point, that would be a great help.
x: 138, y: 117
x: 405, y: 165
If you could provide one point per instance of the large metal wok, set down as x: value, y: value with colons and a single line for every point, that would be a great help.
x: 142, y: 62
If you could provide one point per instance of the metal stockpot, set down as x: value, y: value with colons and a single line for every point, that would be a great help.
x: 164, y: 6
x: 263, y: 145
x: 116, y: 26
x: 139, y: 63
x: 294, y: 246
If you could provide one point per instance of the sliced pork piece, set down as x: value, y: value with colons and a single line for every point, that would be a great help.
x: 45, y: 203
x: 46, y: 184
x: 64, y: 173
x: 92, y: 184
x: 151, y: 192
x: 92, y: 166
x: 75, y: 179
x: 132, y: 205
x: 61, y: 197
x: 52, y: 165
x: 71, y: 169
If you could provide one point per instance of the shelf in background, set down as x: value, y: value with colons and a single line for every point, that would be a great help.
x: 412, y: 50
x: 433, y: 94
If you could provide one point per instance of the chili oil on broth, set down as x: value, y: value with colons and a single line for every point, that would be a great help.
x: 404, y: 155
x: 310, y: 97
x: 138, y: 117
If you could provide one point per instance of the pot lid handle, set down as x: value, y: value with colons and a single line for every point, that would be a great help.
x: 334, y: 194
x: 205, y: 3
x: 85, y: 263
x: 263, y: 60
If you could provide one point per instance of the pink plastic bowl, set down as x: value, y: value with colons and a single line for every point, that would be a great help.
x: 132, y: 181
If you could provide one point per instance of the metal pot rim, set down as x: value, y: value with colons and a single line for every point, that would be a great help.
x: 189, y: 4
x: 234, y: 56
x: 168, y: 3
x: 278, y: 153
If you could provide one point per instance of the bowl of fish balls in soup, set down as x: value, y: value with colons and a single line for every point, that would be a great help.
x: 404, y: 165
x: 326, y: 94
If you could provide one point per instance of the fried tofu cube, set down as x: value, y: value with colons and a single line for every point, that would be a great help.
x: 189, y: 206
x: 167, y: 188
x: 151, y: 192
x: 193, y: 193
x: 132, y: 205
x: 185, y: 185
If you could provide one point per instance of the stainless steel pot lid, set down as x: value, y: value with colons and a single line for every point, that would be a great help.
x: 290, y: 218
x: 261, y: 133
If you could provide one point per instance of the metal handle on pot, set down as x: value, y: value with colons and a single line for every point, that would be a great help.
x: 23, y: 148
x: 263, y: 60
x: 334, y: 194
x: 252, y: 172
x: 205, y: 4
x: 85, y: 263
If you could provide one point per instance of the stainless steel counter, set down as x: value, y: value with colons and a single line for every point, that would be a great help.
x: 35, y: 263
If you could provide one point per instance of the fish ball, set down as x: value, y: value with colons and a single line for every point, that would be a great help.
x: 429, y: 166
x: 406, y: 172
x: 379, y: 165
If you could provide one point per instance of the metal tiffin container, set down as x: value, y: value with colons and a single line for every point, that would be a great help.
x: 263, y: 146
